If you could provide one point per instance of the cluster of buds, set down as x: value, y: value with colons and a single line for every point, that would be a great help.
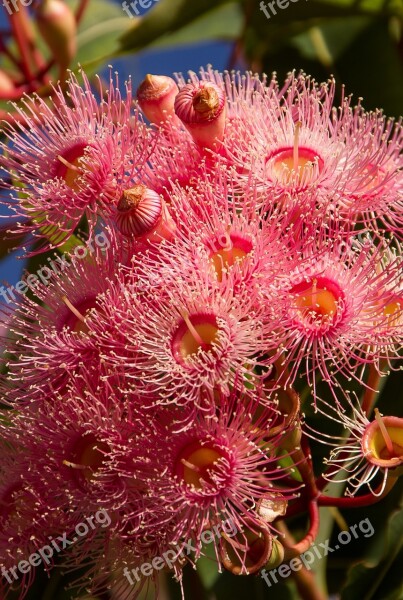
x: 30, y: 71
x: 252, y: 249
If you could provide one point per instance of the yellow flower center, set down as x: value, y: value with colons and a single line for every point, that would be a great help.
x: 316, y: 302
x: 382, y: 441
x: 393, y: 312
x: 199, y: 465
x: 294, y: 165
x: 196, y: 332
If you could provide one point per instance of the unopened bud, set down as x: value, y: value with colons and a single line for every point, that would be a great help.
x: 276, y: 556
x: 58, y: 28
x: 143, y: 214
x: 156, y: 96
x: 201, y: 108
x: 7, y: 88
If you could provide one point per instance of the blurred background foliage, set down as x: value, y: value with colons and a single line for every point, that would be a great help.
x: 360, y: 42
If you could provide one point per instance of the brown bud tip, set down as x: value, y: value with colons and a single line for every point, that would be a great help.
x: 201, y: 106
x: 139, y: 211
x: 131, y: 198
x: 199, y: 102
x: 154, y: 86
x: 156, y: 96
x: 207, y: 102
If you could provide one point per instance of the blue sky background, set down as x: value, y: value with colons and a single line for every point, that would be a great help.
x: 163, y: 62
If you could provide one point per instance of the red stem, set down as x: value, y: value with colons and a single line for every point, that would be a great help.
x: 297, y: 507
x: 81, y: 10
x: 40, y: 75
x: 304, y: 579
x: 357, y: 501
x: 309, y: 538
x: 19, y: 33
x: 303, y: 463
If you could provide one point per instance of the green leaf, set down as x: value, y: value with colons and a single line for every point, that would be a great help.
x: 320, y: 9
x: 207, y: 567
x: 223, y: 23
x: 286, y: 462
x: 69, y: 246
x: 371, y: 67
x: 338, y: 35
x: 98, y: 33
x: 166, y: 17
x: 382, y: 579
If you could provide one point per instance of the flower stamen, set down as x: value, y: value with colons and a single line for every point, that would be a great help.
x: 296, y: 145
x: 67, y: 164
x: 70, y: 169
x: 73, y: 465
x: 198, y: 339
x: 385, y: 434
x: 73, y: 309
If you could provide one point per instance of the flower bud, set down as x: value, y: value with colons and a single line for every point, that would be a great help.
x: 201, y: 108
x: 156, y: 96
x: 58, y: 28
x: 276, y: 556
x: 7, y: 88
x: 143, y: 214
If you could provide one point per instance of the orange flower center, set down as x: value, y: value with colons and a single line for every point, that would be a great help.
x: 227, y: 250
x: 372, y: 178
x: 194, y: 333
x: 316, y: 302
x: 300, y: 167
x: 198, y: 465
x: 393, y: 312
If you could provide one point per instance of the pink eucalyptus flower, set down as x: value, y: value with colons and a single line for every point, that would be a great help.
x: 219, y: 467
x: 179, y: 331
x: 368, y: 453
x: 71, y: 161
x: 51, y: 341
x: 334, y: 301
